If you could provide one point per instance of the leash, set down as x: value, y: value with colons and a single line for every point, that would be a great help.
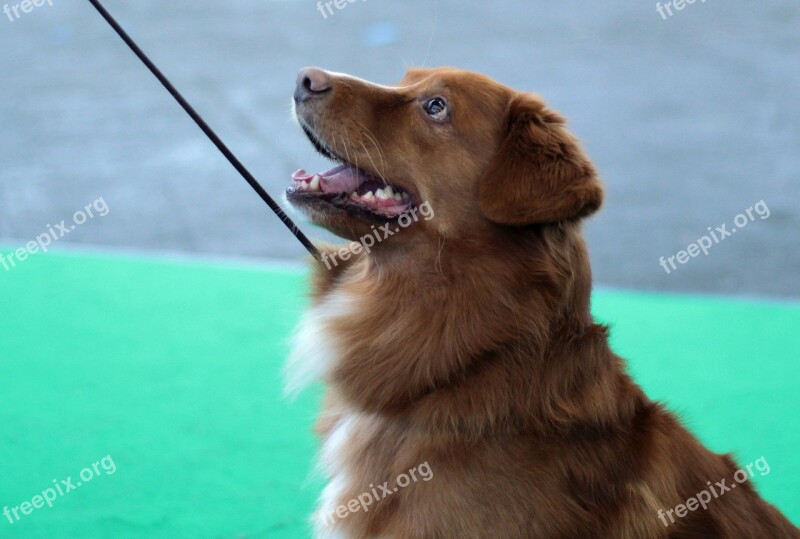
x: 201, y: 123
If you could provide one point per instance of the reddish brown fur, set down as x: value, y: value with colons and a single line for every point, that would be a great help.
x: 473, y: 347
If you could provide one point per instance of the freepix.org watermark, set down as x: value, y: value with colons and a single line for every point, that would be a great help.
x: 43, y: 241
x: 59, y: 489
x: 378, y: 493
x: 705, y: 243
x: 325, y: 7
x: 665, y: 9
x: 15, y: 11
x: 366, y: 243
x: 707, y: 495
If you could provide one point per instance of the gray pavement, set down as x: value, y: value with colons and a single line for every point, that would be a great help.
x: 691, y: 120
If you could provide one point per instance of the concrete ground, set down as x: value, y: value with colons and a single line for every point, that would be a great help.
x: 692, y: 119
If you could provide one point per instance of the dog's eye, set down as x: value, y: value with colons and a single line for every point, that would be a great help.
x: 436, y: 108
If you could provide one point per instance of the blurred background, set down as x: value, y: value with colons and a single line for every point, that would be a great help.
x: 690, y: 120
x: 162, y: 323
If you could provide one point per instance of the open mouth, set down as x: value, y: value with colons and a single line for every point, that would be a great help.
x: 350, y: 188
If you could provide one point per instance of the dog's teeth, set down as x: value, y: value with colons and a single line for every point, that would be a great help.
x: 315, y: 183
x: 380, y: 194
x: 398, y: 197
x: 388, y: 192
x: 354, y: 195
x: 405, y: 195
x: 369, y: 196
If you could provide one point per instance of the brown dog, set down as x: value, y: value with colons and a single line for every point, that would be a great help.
x: 470, y: 393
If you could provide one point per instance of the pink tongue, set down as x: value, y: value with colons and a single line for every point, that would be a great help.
x: 342, y: 179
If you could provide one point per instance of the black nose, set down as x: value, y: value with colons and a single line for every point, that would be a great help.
x: 311, y: 83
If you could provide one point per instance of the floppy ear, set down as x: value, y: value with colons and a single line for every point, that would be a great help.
x: 540, y: 173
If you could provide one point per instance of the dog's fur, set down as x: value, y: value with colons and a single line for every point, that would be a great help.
x: 467, y: 341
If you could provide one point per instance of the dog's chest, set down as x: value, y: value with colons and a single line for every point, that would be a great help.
x: 315, y: 352
x: 314, y: 346
x: 332, y: 462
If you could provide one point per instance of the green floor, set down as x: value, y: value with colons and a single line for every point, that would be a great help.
x: 174, y: 371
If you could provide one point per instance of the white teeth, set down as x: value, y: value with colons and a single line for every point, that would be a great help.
x: 386, y: 193
x: 315, y: 181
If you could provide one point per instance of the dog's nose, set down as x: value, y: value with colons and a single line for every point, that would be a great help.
x: 311, y: 83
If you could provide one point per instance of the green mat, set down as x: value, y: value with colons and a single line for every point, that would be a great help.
x: 172, y: 370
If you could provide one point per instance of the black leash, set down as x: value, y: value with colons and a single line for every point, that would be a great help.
x: 208, y: 131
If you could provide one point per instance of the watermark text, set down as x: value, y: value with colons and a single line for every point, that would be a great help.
x: 59, y: 489
x: 15, y: 11
x: 377, y: 493
x: 706, y: 242
x: 707, y: 495
x: 43, y: 241
x: 366, y: 243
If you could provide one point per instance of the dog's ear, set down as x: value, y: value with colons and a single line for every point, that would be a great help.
x: 540, y: 174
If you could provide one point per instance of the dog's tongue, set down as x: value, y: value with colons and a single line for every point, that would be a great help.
x: 342, y: 179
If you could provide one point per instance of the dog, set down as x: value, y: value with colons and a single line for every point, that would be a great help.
x: 469, y: 393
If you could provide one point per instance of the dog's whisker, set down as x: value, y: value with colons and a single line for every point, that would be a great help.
x: 438, y: 264
x: 347, y: 153
x: 380, y: 154
x: 374, y: 166
x: 374, y: 140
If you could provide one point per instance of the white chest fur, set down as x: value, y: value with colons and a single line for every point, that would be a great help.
x: 314, y: 352
x: 314, y: 347
x: 332, y: 463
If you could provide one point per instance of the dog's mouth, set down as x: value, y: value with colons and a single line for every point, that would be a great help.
x: 350, y: 188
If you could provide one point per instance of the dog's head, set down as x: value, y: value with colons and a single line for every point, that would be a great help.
x: 445, y: 153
